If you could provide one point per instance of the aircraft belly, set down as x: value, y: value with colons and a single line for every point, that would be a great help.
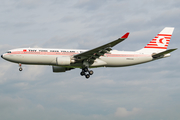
x: 123, y: 61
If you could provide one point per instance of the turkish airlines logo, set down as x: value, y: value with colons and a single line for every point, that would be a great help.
x: 161, y: 41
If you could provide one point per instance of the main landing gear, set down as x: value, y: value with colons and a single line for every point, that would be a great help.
x: 86, y: 72
x: 20, y: 68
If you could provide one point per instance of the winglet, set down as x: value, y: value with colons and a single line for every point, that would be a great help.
x: 125, y: 35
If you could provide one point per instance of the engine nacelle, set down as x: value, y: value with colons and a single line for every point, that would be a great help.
x: 64, y: 60
x: 60, y: 69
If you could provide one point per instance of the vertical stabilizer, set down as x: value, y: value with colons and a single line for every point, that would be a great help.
x: 160, y: 42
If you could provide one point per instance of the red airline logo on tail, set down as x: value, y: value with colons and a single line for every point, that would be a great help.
x: 161, y: 41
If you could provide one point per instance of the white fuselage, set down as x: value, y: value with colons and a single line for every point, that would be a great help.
x: 63, y: 60
x: 42, y: 56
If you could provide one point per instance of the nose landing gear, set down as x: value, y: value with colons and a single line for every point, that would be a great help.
x: 86, y: 72
x: 20, y: 68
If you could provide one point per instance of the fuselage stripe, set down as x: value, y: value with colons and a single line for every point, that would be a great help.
x: 70, y: 54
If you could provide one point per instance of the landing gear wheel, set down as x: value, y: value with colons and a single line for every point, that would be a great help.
x: 82, y: 73
x: 87, y: 76
x: 85, y: 69
x: 91, y: 72
x: 20, y: 69
x: 86, y: 72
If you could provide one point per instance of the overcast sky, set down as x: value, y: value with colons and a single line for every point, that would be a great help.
x: 149, y: 91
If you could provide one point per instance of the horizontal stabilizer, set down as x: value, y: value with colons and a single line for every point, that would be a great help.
x: 161, y: 54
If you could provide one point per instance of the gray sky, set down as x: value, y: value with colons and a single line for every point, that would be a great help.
x: 142, y: 92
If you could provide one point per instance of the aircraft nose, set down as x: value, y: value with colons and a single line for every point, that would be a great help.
x: 2, y: 56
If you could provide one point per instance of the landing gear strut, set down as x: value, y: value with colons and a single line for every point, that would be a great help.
x: 86, y: 72
x: 20, y: 68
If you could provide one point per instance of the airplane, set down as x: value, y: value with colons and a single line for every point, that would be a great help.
x: 63, y: 60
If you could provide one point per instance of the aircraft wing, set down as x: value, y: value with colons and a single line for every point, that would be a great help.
x: 161, y: 54
x: 92, y: 54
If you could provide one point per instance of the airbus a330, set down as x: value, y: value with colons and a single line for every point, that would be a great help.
x: 63, y: 60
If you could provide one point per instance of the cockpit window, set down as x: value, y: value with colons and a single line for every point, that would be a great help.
x: 8, y: 51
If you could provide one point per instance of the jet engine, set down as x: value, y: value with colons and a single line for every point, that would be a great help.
x: 64, y: 60
x: 60, y: 69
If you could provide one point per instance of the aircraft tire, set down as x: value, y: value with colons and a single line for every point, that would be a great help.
x: 87, y: 76
x: 20, y: 69
x: 85, y: 69
x: 91, y: 72
x: 82, y: 73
